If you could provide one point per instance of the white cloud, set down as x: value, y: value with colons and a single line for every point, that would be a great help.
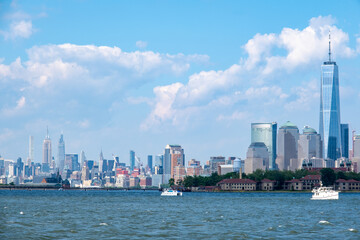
x: 101, y: 67
x: 20, y: 26
x: 141, y: 44
x: 302, y: 46
x: 305, y: 97
x: 269, y: 55
x: 234, y: 116
x: 21, y: 29
x: 19, y: 105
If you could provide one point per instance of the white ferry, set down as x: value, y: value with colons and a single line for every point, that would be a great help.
x: 171, y: 192
x: 324, y: 193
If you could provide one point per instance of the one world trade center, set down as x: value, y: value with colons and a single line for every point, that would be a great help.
x: 330, y: 109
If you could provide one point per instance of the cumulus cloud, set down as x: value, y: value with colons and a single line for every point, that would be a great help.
x: 250, y: 78
x: 20, y: 26
x: 19, y: 105
x: 141, y: 44
x: 96, y: 66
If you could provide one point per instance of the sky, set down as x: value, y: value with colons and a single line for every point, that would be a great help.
x: 138, y: 75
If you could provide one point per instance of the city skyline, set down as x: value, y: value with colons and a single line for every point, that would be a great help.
x: 143, y: 85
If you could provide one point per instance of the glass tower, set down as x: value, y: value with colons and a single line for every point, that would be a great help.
x: 266, y: 133
x: 329, y: 126
x: 61, y: 153
x: 345, y: 140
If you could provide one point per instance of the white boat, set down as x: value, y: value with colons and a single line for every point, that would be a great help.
x: 324, y: 193
x: 171, y: 192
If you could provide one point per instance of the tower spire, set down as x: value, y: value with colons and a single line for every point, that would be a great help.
x: 329, y: 46
x: 47, y: 132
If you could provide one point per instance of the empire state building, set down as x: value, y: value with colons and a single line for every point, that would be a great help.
x: 329, y: 126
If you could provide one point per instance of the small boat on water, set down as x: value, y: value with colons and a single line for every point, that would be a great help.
x: 171, y: 192
x: 324, y: 193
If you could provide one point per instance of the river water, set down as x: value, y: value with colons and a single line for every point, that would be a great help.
x: 99, y: 214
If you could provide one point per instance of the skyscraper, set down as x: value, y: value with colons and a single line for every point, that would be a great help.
x: 31, y: 149
x: 102, y: 163
x: 132, y: 160
x: 287, y: 154
x: 344, y: 140
x: 82, y: 158
x: 46, y: 152
x: 266, y: 133
x: 173, y: 156
x: 329, y: 127
x: 61, y: 153
x: 149, y: 162
x: 309, y: 145
x: 257, y: 157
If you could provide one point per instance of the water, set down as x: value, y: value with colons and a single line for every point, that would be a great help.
x: 145, y: 215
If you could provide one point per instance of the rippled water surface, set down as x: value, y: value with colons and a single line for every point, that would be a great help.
x: 142, y: 215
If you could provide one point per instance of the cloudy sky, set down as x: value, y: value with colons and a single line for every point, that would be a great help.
x: 138, y: 75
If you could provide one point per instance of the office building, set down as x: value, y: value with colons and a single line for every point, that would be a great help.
x: 102, y: 163
x: 31, y: 149
x: 288, y: 137
x: 72, y: 162
x: 257, y: 157
x: 309, y: 145
x: 132, y: 160
x: 47, y: 157
x: 82, y: 158
x: 61, y: 153
x: 215, y: 162
x: 266, y: 133
x: 329, y: 126
x: 149, y: 162
x: 173, y: 156
x: 344, y: 140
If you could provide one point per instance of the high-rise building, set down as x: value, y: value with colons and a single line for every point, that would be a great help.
x: 102, y: 163
x: 266, y: 133
x: 149, y: 162
x: 72, y: 162
x: 61, y: 153
x: 344, y: 140
x: 31, y: 149
x: 132, y: 160
x: 215, y: 162
x: 309, y: 145
x: 173, y: 156
x: 329, y: 126
x: 356, y: 146
x: 47, y: 157
x: 257, y: 157
x: 287, y: 147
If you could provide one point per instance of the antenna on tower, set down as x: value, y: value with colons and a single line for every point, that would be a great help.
x: 47, y: 132
x: 329, y: 46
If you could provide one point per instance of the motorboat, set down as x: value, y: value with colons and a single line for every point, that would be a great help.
x: 171, y: 192
x: 324, y: 193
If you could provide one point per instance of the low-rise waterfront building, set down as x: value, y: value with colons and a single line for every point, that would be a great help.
x: 267, y: 185
x: 347, y: 185
x: 310, y: 181
x: 293, y: 184
x: 237, y: 185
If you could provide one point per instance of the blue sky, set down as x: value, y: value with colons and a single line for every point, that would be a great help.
x: 142, y: 74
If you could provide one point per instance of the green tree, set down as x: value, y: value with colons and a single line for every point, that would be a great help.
x: 171, y: 182
x: 341, y: 175
x: 328, y: 176
x: 188, y: 181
